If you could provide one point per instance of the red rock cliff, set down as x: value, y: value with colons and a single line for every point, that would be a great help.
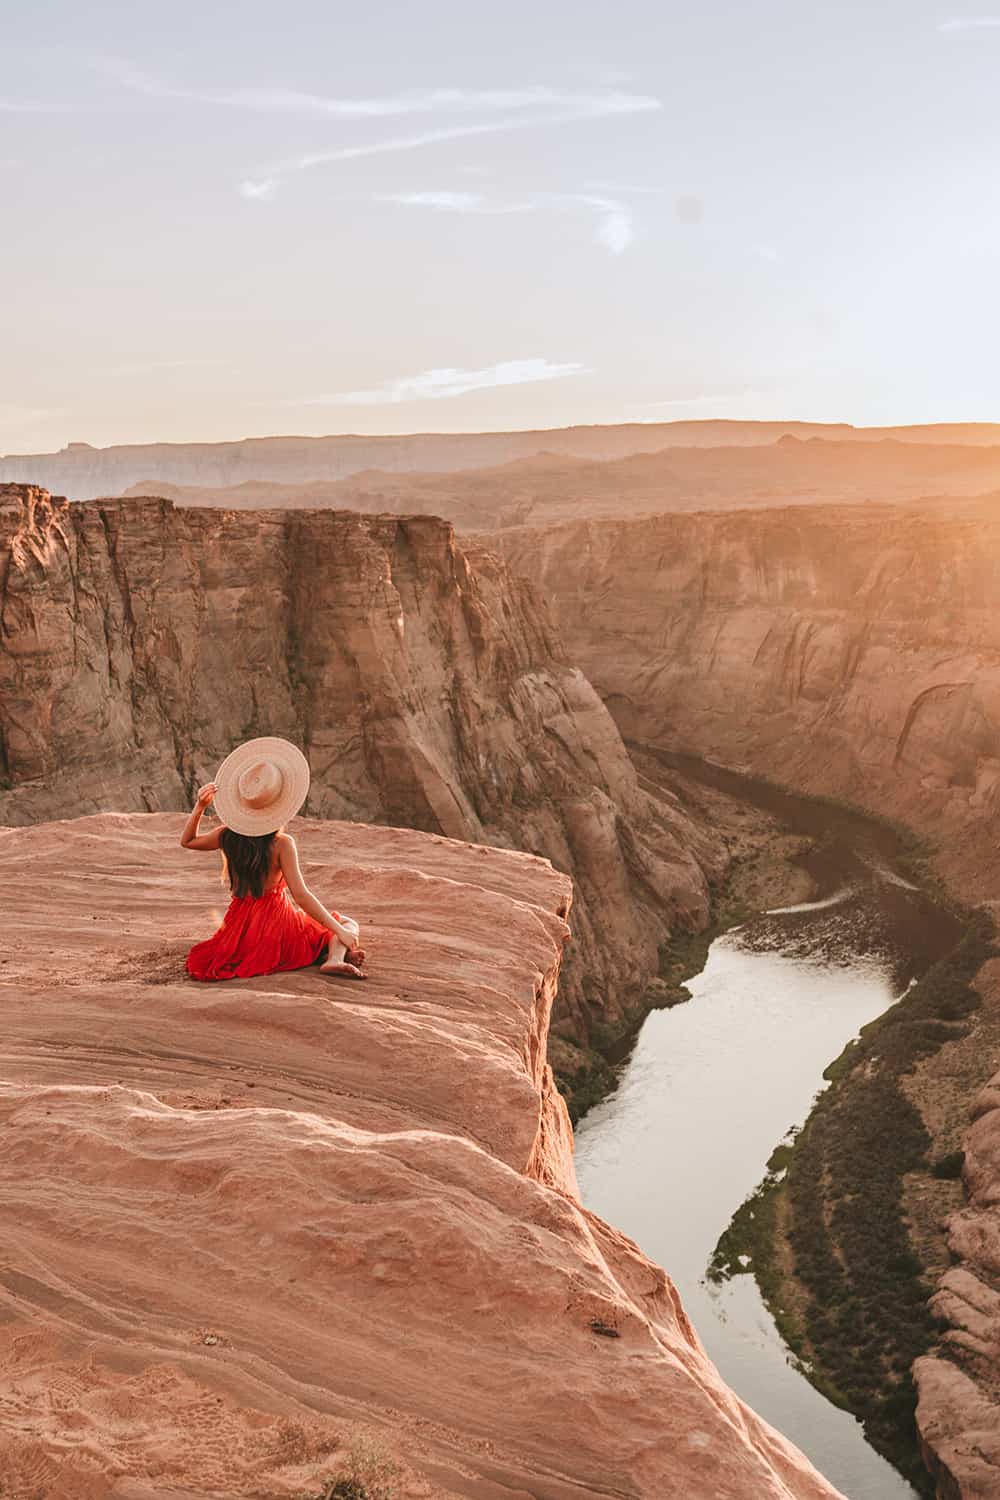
x: 427, y: 688
x: 853, y: 651
x: 847, y: 651
x: 250, y: 1221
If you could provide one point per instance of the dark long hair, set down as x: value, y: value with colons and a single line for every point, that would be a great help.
x: 246, y: 860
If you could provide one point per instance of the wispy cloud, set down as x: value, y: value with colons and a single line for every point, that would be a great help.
x: 614, y: 229
x: 582, y: 108
x: 614, y: 225
x: 970, y: 23
x: 516, y: 108
x: 258, y: 192
x: 410, y: 102
x: 455, y: 202
x: 437, y: 385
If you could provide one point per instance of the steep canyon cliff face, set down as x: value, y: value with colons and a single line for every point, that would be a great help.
x: 258, y: 1221
x: 852, y: 652
x: 141, y: 642
x: 848, y: 651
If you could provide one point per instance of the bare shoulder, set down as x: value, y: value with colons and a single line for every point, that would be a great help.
x: 285, y: 845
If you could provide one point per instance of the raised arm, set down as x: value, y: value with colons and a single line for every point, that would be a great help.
x: 288, y: 858
x: 191, y: 838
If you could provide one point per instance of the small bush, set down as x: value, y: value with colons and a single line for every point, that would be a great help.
x: 369, y: 1473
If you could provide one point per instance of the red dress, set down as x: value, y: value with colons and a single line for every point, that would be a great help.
x: 259, y: 935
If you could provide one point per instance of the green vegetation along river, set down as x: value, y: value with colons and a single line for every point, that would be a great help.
x: 714, y: 1085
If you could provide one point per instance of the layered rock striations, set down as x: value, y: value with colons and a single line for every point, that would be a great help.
x: 855, y: 653
x: 141, y: 642
x: 256, y: 1222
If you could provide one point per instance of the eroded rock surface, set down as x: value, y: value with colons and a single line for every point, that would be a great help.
x: 846, y: 651
x: 248, y: 1221
x: 853, y: 652
x: 959, y: 1411
x: 426, y: 686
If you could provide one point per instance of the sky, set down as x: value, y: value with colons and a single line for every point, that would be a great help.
x: 226, y: 220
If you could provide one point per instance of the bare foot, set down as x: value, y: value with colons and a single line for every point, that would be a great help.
x: 355, y: 956
x: 349, y: 971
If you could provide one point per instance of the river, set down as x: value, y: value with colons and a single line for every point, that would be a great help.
x: 712, y: 1086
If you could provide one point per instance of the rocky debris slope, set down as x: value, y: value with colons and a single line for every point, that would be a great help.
x: 853, y: 652
x: 253, y: 1221
x: 427, y: 688
x: 959, y: 1411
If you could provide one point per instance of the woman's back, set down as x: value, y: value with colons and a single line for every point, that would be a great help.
x: 252, y: 863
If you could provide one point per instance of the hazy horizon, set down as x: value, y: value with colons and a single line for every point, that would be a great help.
x: 458, y: 432
x: 435, y: 219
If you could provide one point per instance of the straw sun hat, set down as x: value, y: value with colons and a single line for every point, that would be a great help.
x: 260, y: 785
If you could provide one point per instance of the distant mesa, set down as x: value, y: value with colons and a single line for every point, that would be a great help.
x: 84, y: 472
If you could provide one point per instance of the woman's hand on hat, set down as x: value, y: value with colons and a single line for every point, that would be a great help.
x: 206, y: 793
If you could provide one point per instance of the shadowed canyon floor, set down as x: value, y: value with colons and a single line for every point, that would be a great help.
x: 251, y: 1219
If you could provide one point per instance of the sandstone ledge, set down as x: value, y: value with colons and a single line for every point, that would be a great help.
x: 253, y: 1216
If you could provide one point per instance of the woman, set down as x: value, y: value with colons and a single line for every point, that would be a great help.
x: 257, y: 789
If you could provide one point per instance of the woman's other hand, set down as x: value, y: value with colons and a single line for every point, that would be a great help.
x: 190, y: 838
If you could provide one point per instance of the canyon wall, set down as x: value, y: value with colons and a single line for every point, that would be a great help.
x: 852, y: 652
x: 141, y: 642
x: 847, y: 651
x: 85, y: 472
x: 268, y: 1233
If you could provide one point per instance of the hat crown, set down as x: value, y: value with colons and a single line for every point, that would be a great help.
x: 260, y: 784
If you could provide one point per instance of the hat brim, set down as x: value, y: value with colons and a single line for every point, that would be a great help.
x: 294, y: 769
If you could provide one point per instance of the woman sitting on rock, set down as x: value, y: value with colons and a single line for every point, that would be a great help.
x: 257, y: 789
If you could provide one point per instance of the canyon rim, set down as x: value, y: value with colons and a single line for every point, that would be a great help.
x: 432, y: 687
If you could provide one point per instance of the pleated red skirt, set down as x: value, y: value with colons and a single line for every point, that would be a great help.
x: 259, y: 935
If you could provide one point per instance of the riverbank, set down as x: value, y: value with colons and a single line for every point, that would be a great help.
x: 767, y: 867
x: 847, y: 1234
